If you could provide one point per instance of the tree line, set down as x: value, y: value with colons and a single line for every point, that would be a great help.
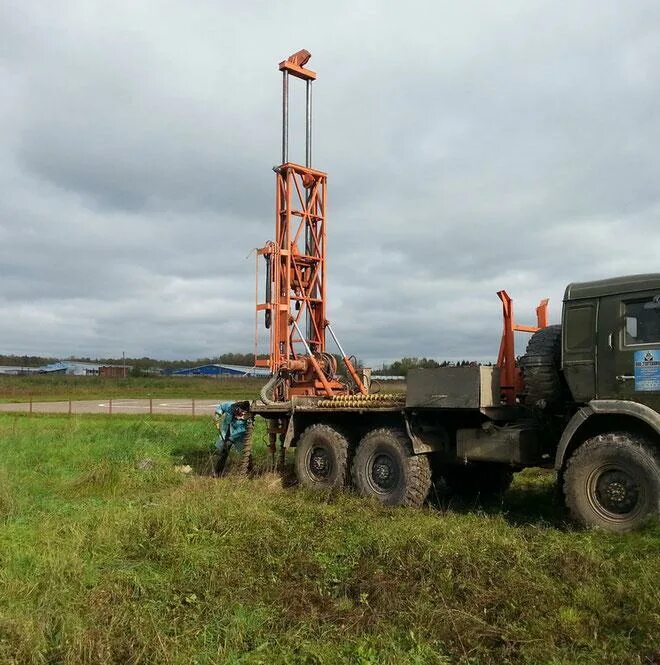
x: 403, y: 366
x: 145, y: 364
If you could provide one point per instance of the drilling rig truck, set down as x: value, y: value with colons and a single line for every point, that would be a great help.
x: 584, y: 399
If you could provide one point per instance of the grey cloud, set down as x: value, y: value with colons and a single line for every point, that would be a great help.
x: 469, y: 147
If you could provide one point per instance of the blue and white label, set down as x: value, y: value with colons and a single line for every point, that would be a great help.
x: 647, y: 371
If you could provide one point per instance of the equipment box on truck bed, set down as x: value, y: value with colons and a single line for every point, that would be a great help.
x: 453, y: 388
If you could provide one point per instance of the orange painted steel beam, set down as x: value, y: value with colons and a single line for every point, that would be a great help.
x: 298, y: 280
x: 294, y: 65
x: 542, y: 313
x: 295, y: 303
x: 511, y: 380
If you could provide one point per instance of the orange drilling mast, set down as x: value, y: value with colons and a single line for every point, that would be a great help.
x: 295, y: 291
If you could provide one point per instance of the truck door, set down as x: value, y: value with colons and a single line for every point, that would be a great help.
x: 628, y: 361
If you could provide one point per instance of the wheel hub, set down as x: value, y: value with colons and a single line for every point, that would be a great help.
x: 320, y: 463
x: 616, y: 491
x: 383, y: 472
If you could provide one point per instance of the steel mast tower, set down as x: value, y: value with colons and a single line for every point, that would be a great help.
x: 295, y: 293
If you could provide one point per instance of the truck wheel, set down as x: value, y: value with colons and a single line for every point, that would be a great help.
x: 322, y: 458
x: 483, y: 479
x: 612, y: 481
x: 386, y: 468
x: 541, y: 368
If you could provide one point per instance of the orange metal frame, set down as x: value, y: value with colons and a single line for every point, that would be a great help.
x: 295, y: 65
x: 298, y: 284
x: 295, y: 301
x: 511, y: 381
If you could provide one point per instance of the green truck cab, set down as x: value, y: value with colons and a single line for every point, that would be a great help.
x: 611, y: 329
x: 607, y: 454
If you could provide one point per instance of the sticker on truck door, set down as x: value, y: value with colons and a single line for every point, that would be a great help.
x: 647, y: 370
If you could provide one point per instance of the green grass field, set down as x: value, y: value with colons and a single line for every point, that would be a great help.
x: 61, y: 387
x: 109, y: 555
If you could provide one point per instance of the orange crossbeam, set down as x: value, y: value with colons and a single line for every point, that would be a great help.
x: 294, y: 64
x: 511, y: 381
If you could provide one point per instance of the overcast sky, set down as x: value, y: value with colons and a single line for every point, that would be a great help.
x: 470, y: 147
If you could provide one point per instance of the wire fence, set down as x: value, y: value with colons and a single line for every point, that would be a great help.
x: 110, y: 406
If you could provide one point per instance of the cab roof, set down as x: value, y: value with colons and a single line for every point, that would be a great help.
x: 612, y: 286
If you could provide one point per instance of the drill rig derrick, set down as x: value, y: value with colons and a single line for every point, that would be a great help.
x: 295, y: 292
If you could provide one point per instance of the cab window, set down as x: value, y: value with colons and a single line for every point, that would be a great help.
x: 643, y: 321
x: 579, y: 326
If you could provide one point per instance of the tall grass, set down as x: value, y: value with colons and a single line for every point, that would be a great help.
x: 108, y: 554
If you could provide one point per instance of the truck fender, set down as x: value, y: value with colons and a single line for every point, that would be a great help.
x: 578, y: 419
x: 627, y: 408
x: 604, y: 406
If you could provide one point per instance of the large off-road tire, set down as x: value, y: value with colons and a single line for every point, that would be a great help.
x: 612, y: 481
x: 541, y: 368
x: 322, y: 458
x: 386, y: 468
x: 486, y: 480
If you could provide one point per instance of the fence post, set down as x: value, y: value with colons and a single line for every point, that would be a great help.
x: 30, y: 403
x: 193, y: 406
x: 69, y: 406
x: 151, y: 406
x: 110, y: 407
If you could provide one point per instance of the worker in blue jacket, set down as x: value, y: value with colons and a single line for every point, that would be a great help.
x: 231, y: 420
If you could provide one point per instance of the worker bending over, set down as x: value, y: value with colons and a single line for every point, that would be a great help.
x: 231, y: 419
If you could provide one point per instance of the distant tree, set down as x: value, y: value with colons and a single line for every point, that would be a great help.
x: 25, y: 361
x: 403, y: 366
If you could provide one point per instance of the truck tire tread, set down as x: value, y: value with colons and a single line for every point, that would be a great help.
x: 416, y: 468
x: 541, y: 368
x: 339, y: 445
x: 626, y: 446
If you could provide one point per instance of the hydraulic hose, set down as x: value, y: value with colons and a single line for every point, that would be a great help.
x: 266, y: 392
